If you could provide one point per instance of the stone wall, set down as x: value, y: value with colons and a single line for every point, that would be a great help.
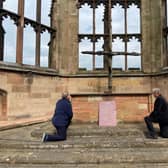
x: 129, y: 108
x: 31, y: 95
x: 28, y: 95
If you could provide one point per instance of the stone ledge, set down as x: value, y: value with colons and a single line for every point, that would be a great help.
x: 84, y: 74
x: 27, y: 69
x: 109, y: 94
x: 4, y: 125
x: 105, y: 165
x: 52, y: 72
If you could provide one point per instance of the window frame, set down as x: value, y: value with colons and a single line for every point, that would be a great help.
x: 126, y: 36
x: 21, y: 21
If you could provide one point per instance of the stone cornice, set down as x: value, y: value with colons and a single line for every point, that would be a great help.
x: 13, y: 67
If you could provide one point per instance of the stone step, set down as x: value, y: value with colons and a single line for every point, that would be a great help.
x: 108, y: 165
x: 87, y: 146
x: 87, y: 142
x: 84, y: 130
x: 94, y: 130
x: 85, y: 156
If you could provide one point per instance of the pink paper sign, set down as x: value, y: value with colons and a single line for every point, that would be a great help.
x: 107, y: 113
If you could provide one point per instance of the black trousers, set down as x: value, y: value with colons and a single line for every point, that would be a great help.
x: 149, y: 120
x: 164, y: 131
x: 60, y: 136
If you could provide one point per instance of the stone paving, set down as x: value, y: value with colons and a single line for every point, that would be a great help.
x: 87, y: 146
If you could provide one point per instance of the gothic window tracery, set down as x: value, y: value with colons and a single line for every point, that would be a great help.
x: 125, y: 32
x: 31, y: 23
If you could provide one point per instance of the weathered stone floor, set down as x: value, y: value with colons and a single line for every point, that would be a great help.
x: 87, y: 146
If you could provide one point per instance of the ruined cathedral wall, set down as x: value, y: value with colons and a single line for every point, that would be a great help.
x: 31, y: 95
x: 131, y: 95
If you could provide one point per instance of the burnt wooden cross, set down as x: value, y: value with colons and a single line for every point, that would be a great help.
x: 110, y: 55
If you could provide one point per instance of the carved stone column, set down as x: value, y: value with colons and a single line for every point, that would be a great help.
x: 151, y: 35
x: 2, y: 32
x: 65, y: 45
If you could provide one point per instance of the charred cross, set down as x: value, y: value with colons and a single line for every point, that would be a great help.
x: 110, y: 55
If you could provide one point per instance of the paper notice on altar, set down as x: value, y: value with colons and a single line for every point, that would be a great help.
x: 107, y: 113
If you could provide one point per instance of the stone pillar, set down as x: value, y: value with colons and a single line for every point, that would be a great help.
x: 3, y: 105
x: 2, y: 32
x: 20, y: 30
x: 65, y: 45
x: 156, y: 38
x: 152, y: 40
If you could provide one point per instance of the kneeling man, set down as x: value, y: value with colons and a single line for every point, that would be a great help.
x: 61, y: 119
x: 158, y: 115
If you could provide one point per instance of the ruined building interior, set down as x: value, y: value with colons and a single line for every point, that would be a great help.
x: 99, y: 50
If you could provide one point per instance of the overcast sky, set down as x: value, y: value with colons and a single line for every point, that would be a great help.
x: 85, y: 26
x: 29, y: 34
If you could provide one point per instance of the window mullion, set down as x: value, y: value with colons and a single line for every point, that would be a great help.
x: 1, y: 36
x: 109, y: 45
x: 166, y: 25
x: 38, y: 36
x: 126, y: 36
x: 20, y: 28
x: 94, y: 32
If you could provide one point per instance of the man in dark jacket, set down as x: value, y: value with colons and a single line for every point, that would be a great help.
x: 61, y: 119
x: 158, y: 115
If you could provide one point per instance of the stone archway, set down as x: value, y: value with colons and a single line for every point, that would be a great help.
x: 3, y: 105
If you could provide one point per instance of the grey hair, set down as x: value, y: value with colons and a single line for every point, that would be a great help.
x: 65, y: 94
x: 156, y: 90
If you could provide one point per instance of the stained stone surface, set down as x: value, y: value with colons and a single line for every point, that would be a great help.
x: 87, y: 146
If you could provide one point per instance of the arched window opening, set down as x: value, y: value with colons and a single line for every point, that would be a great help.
x: 9, y: 45
x: 10, y: 5
x: 29, y: 47
x: 44, y: 52
x: 118, y: 60
x: 85, y: 61
x: 28, y: 44
x: 99, y: 59
x: 125, y: 20
x: 134, y: 46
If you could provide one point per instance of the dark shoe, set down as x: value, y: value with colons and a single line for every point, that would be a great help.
x: 153, y: 136
x: 150, y: 135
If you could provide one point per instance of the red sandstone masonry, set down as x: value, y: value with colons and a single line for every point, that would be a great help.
x: 20, y: 88
x: 128, y: 108
x: 40, y: 95
x: 15, y: 79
